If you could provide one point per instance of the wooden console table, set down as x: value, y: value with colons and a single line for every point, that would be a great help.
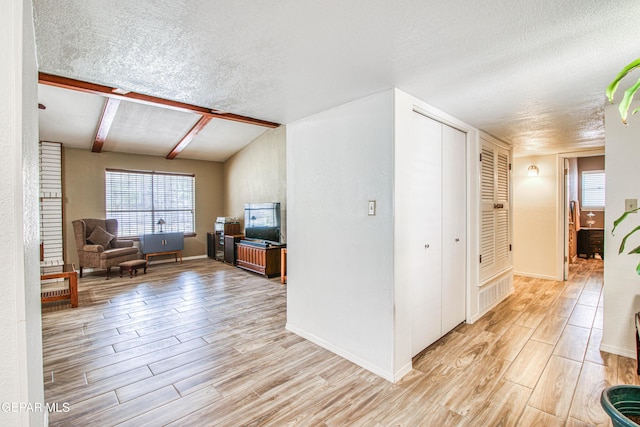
x: 66, y: 271
x: 261, y: 260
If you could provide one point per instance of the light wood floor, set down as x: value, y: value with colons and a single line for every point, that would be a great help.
x: 204, y: 344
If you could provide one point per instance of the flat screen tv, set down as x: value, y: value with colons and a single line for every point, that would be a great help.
x: 262, y: 221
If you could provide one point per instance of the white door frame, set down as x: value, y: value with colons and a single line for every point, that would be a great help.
x: 563, y: 213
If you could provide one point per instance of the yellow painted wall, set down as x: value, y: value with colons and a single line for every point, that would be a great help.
x: 258, y: 174
x: 84, y: 190
x: 536, y: 232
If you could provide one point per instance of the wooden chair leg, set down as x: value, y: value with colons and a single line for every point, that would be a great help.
x: 108, y: 273
x: 80, y: 271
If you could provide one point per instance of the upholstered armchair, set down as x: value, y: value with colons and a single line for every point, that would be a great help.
x: 98, y: 244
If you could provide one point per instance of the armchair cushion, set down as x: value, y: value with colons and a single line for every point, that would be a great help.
x: 117, y: 253
x: 117, y: 243
x: 101, y: 237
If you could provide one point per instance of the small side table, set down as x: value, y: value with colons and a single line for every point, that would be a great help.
x: 65, y: 271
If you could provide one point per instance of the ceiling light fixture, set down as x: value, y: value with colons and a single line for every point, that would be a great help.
x: 532, y: 171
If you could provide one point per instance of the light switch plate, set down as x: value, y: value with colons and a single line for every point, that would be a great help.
x: 630, y: 204
x: 372, y: 207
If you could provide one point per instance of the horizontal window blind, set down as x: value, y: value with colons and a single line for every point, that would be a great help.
x: 593, y: 189
x: 139, y: 199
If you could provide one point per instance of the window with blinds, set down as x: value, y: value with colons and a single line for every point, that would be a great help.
x: 593, y: 189
x: 140, y: 199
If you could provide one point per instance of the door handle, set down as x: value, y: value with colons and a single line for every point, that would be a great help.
x: 426, y: 246
x: 457, y: 240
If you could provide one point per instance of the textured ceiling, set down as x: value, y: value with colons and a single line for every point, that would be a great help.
x: 529, y: 72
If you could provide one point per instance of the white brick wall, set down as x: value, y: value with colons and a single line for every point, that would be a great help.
x: 51, y: 201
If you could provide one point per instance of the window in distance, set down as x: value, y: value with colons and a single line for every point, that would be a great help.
x: 593, y: 189
x: 139, y: 199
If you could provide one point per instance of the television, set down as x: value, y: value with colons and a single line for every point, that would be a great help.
x: 262, y: 221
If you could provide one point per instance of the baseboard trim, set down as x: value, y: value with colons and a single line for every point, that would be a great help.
x: 537, y: 276
x: 402, y: 372
x: 618, y: 350
x: 383, y: 373
x: 155, y: 261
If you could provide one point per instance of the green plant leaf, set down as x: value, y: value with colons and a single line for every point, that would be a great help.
x: 638, y: 269
x: 622, y: 217
x: 626, y: 101
x: 613, y: 86
x: 635, y: 250
x: 624, y: 239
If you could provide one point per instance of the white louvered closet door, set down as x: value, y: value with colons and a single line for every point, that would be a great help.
x: 495, y: 233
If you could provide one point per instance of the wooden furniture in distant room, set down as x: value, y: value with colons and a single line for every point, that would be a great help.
x: 590, y: 242
x: 223, y: 229
x: 230, y: 248
x: 66, y: 271
x: 573, y: 243
x: 211, y: 244
x: 283, y: 265
x: 261, y: 260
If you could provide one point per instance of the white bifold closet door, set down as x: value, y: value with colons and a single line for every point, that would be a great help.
x: 438, y: 222
x: 454, y: 227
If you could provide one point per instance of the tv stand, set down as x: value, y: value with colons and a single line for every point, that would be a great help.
x: 259, y: 257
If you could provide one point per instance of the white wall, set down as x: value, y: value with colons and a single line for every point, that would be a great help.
x: 621, y: 283
x: 20, y: 324
x: 537, y: 233
x: 340, y: 260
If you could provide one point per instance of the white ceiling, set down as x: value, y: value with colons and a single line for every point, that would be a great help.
x: 531, y: 73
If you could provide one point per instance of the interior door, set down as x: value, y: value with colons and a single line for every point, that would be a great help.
x: 454, y: 228
x: 426, y: 240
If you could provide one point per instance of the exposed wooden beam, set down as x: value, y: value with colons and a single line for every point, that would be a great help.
x: 106, y: 120
x: 86, y: 87
x: 186, y: 140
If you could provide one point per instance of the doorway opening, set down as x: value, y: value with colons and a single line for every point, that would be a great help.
x: 584, y: 192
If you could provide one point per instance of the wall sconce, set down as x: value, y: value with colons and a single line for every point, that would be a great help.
x: 161, y: 223
x: 532, y: 171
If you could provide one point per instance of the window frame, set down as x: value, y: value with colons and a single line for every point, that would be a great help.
x: 583, y: 188
x: 154, y: 211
